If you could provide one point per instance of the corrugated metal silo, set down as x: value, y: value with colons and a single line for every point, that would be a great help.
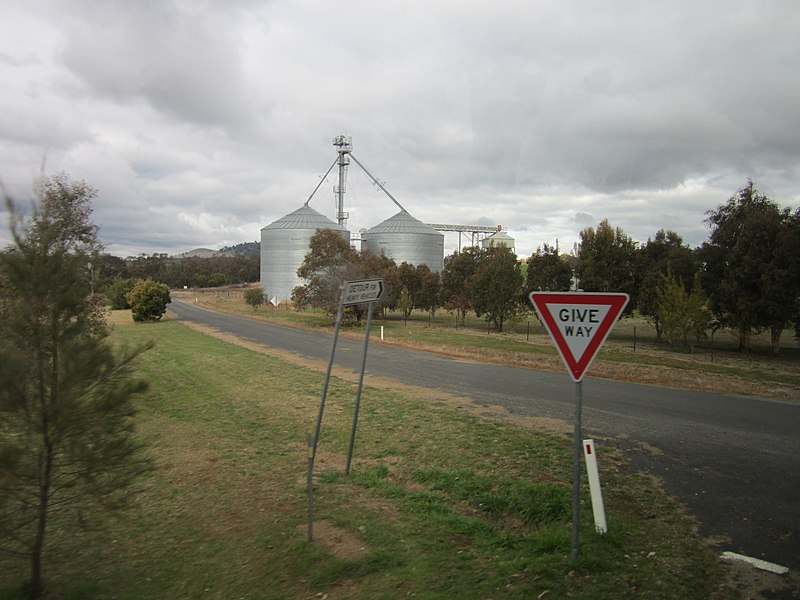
x: 501, y: 238
x: 406, y: 239
x: 284, y: 245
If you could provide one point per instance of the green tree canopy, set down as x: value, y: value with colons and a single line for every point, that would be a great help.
x: 117, y: 293
x: 496, y: 287
x: 606, y: 261
x: 547, y: 271
x: 750, y: 264
x: 148, y: 300
x: 684, y: 314
x: 458, y: 270
x: 329, y: 263
x: 404, y: 303
x: 429, y: 290
x: 664, y: 255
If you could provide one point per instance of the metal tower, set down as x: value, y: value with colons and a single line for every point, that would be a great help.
x: 344, y: 145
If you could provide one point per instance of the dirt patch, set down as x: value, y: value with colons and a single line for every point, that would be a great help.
x: 755, y: 584
x: 337, y: 541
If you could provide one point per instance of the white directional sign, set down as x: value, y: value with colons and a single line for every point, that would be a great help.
x: 366, y: 290
x: 579, y: 323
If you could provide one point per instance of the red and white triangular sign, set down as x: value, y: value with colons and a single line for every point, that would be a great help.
x: 579, y: 323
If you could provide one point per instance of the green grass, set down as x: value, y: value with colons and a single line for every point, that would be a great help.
x: 445, y: 505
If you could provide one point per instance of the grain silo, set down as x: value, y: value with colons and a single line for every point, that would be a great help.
x: 284, y: 245
x: 406, y: 239
x: 499, y: 238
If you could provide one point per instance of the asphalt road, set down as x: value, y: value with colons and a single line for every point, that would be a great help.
x: 733, y: 460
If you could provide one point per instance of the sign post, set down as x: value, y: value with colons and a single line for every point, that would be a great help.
x: 358, y: 292
x: 578, y: 323
x: 353, y: 292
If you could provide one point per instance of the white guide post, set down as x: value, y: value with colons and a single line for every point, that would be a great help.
x: 594, y: 487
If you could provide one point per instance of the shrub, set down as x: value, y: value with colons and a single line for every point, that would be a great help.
x: 254, y: 297
x: 148, y: 300
x: 117, y: 293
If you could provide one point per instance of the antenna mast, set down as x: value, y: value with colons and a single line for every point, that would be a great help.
x: 344, y: 145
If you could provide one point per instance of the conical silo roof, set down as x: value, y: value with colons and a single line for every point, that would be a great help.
x: 304, y: 217
x: 403, y: 222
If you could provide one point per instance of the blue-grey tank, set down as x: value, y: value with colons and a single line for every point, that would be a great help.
x: 284, y: 245
x: 406, y: 239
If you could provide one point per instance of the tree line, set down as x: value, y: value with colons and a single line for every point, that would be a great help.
x: 214, y: 271
x: 745, y: 276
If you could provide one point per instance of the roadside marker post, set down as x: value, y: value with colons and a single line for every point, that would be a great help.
x: 578, y: 324
x: 593, y: 473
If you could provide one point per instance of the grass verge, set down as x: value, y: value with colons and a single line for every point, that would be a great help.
x: 440, y: 504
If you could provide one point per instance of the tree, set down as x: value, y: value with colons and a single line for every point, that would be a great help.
x: 300, y: 298
x: 105, y: 269
x: 606, y: 261
x: 429, y: 290
x: 328, y: 264
x: 148, y: 300
x: 117, y: 293
x: 684, y: 314
x: 391, y: 288
x: 409, y: 278
x: 458, y: 270
x: 663, y: 255
x: 373, y: 266
x: 547, y: 272
x: 496, y: 288
x: 750, y: 265
x: 149, y: 267
x: 66, y: 442
x: 254, y: 297
x: 405, y: 304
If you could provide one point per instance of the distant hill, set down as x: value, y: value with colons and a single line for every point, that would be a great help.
x: 198, y: 253
x: 244, y: 249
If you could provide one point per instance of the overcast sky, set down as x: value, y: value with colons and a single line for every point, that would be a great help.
x: 201, y: 121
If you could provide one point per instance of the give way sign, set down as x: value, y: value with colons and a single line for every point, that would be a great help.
x: 579, y: 323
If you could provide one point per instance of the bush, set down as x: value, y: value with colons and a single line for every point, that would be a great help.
x: 254, y: 297
x: 117, y: 293
x: 148, y: 300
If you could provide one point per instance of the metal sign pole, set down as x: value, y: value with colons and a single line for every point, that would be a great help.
x: 578, y: 323
x: 358, y: 393
x: 576, y: 472
x: 327, y: 377
x: 353, y: 292
x: 310, y: 486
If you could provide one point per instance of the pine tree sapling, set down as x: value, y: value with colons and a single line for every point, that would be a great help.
x: 66, y: 441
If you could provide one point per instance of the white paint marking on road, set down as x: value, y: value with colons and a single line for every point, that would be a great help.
x: 757, y: 563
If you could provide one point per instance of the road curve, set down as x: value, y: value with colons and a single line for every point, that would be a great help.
x: 733, y: 460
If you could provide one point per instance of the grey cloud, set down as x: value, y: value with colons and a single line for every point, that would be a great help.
x: 183, y: 63
x: 199, y: 121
